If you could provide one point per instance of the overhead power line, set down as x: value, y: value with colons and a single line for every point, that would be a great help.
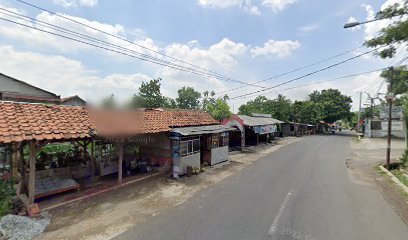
x: 324, y: 81
x: 124, y: 51
x: 101, y: 47
x: 297, y: 69
x: 306, y: 75
x: 113, y: 35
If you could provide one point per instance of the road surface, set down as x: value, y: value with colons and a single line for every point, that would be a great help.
x: 302, y: 191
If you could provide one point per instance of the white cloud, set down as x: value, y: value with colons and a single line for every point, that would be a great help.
x: 76, y: 3
x: 278, y: 5
x: 372, y: 29
x: 47, y: 41
x: 219, y: 3
x: 254, y: 10
x: 277, y: 48
x: 246, y: 5
x: 67, y: 77
x: 308, y: 29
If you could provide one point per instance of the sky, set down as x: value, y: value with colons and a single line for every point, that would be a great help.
x: 245, y: 40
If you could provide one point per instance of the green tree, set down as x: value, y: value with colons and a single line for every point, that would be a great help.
x: 258, y: 105
x: 109, y: 102
x: 334, y: 105
x: 279, y: 108
x: 306, y: 112
x: 149, y: 95
x: 188, y: 98
x: 400, y: 79
x: 392, y: 35
x: 169, y: 103
x: 219, y: 109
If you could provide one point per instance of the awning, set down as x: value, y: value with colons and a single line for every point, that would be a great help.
x: 258, y: 121
x: 208, y: 129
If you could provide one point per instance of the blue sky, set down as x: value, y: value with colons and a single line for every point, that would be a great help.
x: 246, y: 40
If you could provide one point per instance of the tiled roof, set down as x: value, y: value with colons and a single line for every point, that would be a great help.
x: 159, y: 121
x: 24, y: 121
x: 72, y: 97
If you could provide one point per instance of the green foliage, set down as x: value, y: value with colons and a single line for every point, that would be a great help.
x: 306, y: 112
x: 169, y: 103
x: 279, y: 108
x: 150, y: 95
x: 404, y: 159
x: 219, y: 110
x: 393, y: 34
x: 208, y: 99
x: 7, y: 192
x: 216, y: 107
x: 400, y: 79
x: 109, y: 102
x: 188, y: 98
x: 334, y: 105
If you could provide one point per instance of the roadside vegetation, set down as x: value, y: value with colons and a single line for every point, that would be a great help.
x: 328, y: 105
x: 7, y: 192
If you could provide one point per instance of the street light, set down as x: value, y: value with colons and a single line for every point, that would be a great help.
x: 354, y: 24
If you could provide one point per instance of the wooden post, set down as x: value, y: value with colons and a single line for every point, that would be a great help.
x: 31, y: 176
x: 14, y: 164
x: 21, y: 167
x: 93, y: 158
x: 120, y: 162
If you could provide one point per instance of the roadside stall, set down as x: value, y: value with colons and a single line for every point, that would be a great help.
x: 193, y: 146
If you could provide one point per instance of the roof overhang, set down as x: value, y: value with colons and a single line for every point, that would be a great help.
x: 199, y: 130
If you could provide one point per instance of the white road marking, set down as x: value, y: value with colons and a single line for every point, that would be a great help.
x: 275, y: 223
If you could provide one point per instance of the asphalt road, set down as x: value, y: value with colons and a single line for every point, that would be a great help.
x: 302, y: 191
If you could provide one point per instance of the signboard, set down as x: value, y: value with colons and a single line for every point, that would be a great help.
x: 395, y: 125
x: 395, y: 114
x: 265, y: 129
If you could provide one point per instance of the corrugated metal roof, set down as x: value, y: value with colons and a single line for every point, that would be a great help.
x: 188, y: 131
x: 258, y: 121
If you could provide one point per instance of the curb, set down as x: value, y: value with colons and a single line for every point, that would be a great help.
x: 394, y: 179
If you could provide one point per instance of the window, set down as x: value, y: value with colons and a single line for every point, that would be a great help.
x: 375, y: 125
x: 189, y: 146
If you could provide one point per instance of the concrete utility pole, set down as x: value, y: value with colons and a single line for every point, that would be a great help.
x: 390, y: 98
x: 359, y: 113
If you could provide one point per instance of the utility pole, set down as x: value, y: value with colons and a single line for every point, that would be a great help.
x: 390, y: 97
x: 359, y: 113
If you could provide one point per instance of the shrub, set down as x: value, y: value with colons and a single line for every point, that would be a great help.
x: 404, y: 159
x: 7, y: 192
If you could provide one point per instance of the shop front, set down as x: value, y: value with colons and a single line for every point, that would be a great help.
x: 194, y: 146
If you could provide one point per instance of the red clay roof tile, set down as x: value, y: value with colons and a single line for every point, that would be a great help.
x: 25, y: 121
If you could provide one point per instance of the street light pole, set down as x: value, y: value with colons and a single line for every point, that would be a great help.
x: 359, y: 113
x: 354, y: 24
x: 389, y: 98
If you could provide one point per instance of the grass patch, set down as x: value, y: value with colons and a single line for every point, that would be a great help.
x: 392, y: 183
x: 400, y: 176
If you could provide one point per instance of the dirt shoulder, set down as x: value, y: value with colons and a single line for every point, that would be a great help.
x: 109, y: 214
x: 367, y: 154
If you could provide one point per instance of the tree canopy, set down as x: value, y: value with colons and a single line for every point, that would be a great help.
x: 109, y: 102
x: 188, y: 98
x: 279, y: 108
x: 400, y: 79
x: 307, y: 112
x: 149, y: 95
x: 334, y: 106
x: 216, y: 107
x: 392, y: 35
